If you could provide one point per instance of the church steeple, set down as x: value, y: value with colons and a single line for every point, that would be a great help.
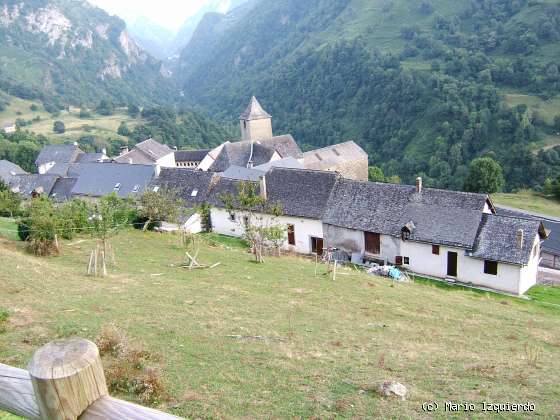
x: 255, y: 122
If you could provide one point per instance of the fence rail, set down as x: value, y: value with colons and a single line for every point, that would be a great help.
x: 66, y: 381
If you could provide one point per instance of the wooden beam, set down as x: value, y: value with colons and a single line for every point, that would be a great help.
x: 67, y: 377
x: 112, y: 408
x: 16, y: 393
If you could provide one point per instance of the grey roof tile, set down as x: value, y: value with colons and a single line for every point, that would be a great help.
x: 8, y: 170
x: 28, y: 183
x: 62, y: 190
x: 191, y: 186
x: 254, y: 111
x: 99, y: 179
x: 243, y: 174
x: 190, y: 155
x: 497, y: 239
x: 59, y: 153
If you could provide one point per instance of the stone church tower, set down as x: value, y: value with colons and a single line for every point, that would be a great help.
x: 256, y: 123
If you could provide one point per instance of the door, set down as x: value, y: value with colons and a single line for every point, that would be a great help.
x: 317, y: 246
x: 291, y: 235
x: 372, y: 242
x: 452, y: 264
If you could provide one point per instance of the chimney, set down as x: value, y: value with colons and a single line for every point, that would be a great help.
x: 520, y: 239
x: 263, y: 187
x: 104, y: 152
x: 419, y: 185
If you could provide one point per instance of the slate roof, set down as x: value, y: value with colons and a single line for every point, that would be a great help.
x: 288, y: 162
x: 185, y: 182
x: 239, y: 154
x: 223, y: 186
x: 333, y: 155
x: 59, y: 153
x: 190, y: 155
x: 26, y: 184
x: 62, y: 190
x: 550, y: 244
x: 301, y: 193
x: 8, y: 170
x: 90, y: 158
x: 146, y: 152
x: 254, y: 111
x: 244, y: 174
x: 440, y: 217
x: 99, y: 179
x: 497, y: 239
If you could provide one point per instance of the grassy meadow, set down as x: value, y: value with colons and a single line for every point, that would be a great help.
x: 76, y: 127
x: 274, y: 341
x: 528, y: 200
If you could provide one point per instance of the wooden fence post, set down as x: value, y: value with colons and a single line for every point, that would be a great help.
x: 67, y: 377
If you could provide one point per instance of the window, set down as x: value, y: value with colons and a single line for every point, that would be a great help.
x: 136, y: 188
x: 232, y: 217
x: 398, y: 260
x: 372, y: 242
x: 246, y: 221
x: 435, y: 249
x: 406, y: 260
x: 291, y: 235
x: 194, y: 193
x: 491, y: 267
x: 117, y: 186
x: 156, y: 188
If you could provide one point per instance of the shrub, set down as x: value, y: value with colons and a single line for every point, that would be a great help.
x: 74, y: 216
x: 24, y: 229
x: 42, y: 223
x: 127, y: 371
x: 9, y: 203
x: 59, y: 127
x: 4, y: 315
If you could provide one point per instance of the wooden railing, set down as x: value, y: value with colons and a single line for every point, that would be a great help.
x: 66, y: 381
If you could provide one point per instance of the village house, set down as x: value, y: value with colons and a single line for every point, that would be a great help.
x: 55, y: 159
x: 301, y: 194
x: 190, y: 158
x: 32, y: 185
x: 9, y: 170
x: 443, y: 234
x: 9, y: 128
x: 148, y: 152
x: 348, y: 159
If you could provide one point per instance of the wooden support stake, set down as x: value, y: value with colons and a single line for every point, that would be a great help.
x: 334, y: 270
x: 67, y: 377
x: 316, y: 262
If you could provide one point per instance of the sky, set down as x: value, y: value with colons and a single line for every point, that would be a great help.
x: 168, y: 13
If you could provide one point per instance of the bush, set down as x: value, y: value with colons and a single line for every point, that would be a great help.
x: 9, y: 203
x: 74, y: 217
x: 4, y: 315
x: 42, y: 223
x: 59, y: 127
x: 24, y: 229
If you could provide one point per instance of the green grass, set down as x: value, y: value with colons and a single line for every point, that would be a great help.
x: 547, y: 294
x: 547, y: 109
x: 530, y: 201
x: 324, y: 341
x: 8, y: 228
x: 76, y: 127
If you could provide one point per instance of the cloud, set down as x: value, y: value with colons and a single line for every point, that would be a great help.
x: 168, y: 13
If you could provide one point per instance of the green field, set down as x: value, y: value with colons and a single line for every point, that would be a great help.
x: 530, y: 201
x: 274, y: 341
x: 76, y: 127
x: 547, y: 109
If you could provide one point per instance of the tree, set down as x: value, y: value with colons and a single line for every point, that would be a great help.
x: 258, y: 219
x: 9, y: 203
x: 84, y: 112
x: 105, y: 107
x: 123, y: 130
x: 375, y: 174
x: 41, y: 226
x: 485, y: 176
x: 110, y: 215
x: 59, y: 127
x: 133, y: 110
x: 162, y: 205
x: 557, y: 123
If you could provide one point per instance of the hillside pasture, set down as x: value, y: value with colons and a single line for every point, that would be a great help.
x: 530, y: 201
x: 246, y: 340
x: 76, y: 127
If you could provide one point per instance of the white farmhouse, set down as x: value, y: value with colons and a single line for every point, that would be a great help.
x: 149, y: 152
x: 302, y: 195
x: 438, y: 233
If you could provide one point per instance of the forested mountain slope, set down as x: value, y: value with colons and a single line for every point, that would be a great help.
x: 68, y: 52
x: 423, y: 86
